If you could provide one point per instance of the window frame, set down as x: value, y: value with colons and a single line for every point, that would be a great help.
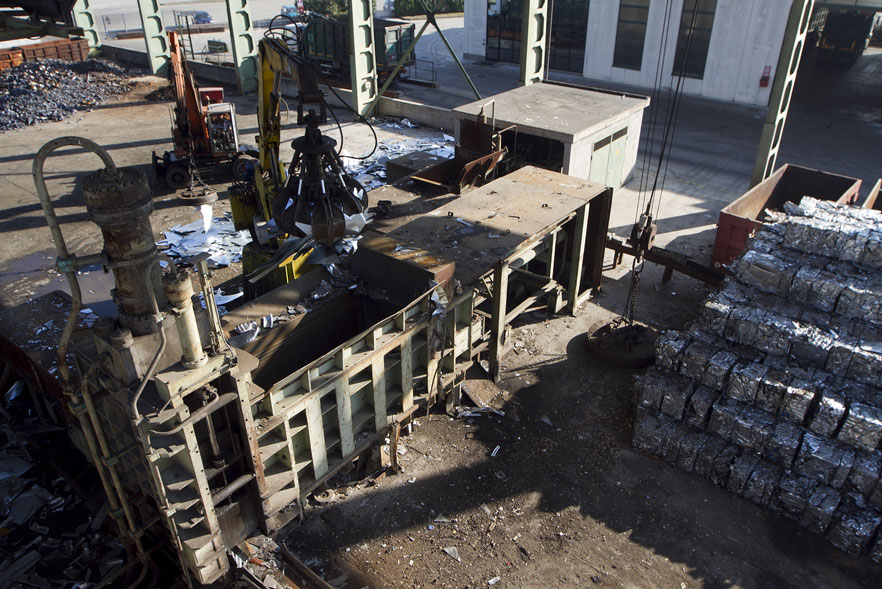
x: 695, y: 64
x: 624, y: 56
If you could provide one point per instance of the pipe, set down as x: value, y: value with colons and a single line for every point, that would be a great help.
x: 231, y: 488
x: 179, y: 292
x: 199, y: 414
x: 65, y: 260
x: 153, y: 364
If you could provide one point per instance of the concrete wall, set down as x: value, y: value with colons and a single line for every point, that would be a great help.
x: 475, y: 33
x: 746, y: 37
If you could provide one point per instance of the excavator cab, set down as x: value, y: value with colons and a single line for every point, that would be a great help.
x: 222, y: 132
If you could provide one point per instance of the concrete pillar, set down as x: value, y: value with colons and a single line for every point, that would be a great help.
x: 534, y: 41
x: 154, y: 36
x: 83, y: 18
x: 782, y: 89
x: 362, y: 62
x: 243, y: 43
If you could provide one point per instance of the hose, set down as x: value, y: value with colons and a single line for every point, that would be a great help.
x: 65, y: 262
x: 153, y: 363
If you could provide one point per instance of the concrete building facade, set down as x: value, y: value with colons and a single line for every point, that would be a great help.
x: 733, y: 51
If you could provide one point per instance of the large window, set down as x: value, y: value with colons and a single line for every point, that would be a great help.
x: 504, y: 30
x: 696, y: 23
x: 630, y: 34
x: 569, y: 27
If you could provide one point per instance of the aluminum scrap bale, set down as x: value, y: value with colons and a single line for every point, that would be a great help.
x: 865, y: 473
x: 865, y: 366
x: 717, y: 371
x: 783, y: 444
x: 803, y: 283
x: 763, y: 271
x: 797, y: 399
x: 854, y: 300
x: 669, y: 348
x: 812, y: 236
x: 715, y: 313
x: 818, y: 458
x: 846, y: 463
x: 745, y: 380
x: 839, y: 357
x: 675, y: 396
x: 826, y: 291
x: 753, y: 429
x: 670, y: 448
x: 690, y: 446
x: 650, y: 431
x: 810, y: 345
x: 740, y: 470
x: 707, y: 454
x: 819, y: 509
x: 771, y: 390
x: 651, y: 390
x: 793, y: 494
x: 693, y: 361
x: 829, y: 412
x: 876, y: 549
x: 774, y: 334
x: 698, y: 409
x: 862, y: 427
x: 763, y: 483
x: 872, y: 254
x: 743, y: 325
x: 723, y: 463
x: 853, y: 528
x: 723, y: 416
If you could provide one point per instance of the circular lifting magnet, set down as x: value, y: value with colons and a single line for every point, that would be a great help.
x: 622, y: 344
x: 198, y: 195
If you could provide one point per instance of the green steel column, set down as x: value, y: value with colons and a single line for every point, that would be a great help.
x: 83, y: 18
x: 244, y: 46
x: 362, y: 60
x: 154, y: 36
x: 534, y: 42
x: 782, y: 89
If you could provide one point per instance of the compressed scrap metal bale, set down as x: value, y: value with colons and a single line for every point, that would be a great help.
x: 714, y: 314
x: 819, y: 509
x: 745, y: 381
x: 865, y: 365
x: 690, y: 446
x: 753, y: 429
x: 707, y: 455
x: 839, y: 357
x: 717, y: 371
x: 810, y: 345
x: 853, y: 528
x: 828, y: 414
x: 743, y: 325
x: 675, y: 396
x: 876, y: 549
x: 669, y: 348
x: 798, y: 397
x: 771, y: 390
x: 865, y: 473
x: 722, y: 464
x: 862, y: 427
x: 694, y: 360
x: 723, y: 416
x: 650, y: 431
x: 698, y: 409
x: 794, y: 492
x: 763, y: 483
x: 765, y: 272
x: 739, y: 472
x: 774, y: 334
x: 819, y: 458
x: 652, y: 389
x: 783, y: 444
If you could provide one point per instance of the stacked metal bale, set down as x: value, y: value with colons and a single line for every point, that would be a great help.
x: 774, y: 391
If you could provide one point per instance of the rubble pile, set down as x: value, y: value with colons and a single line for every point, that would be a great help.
x: 774, y: 391
x: 53, y: 89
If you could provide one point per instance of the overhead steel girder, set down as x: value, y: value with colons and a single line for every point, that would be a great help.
x: 534, y: 41
x: 782, y: 89
x: 362, y: 60
x: 242, y: 41
x: 84, y: 19
x: 155, y: 37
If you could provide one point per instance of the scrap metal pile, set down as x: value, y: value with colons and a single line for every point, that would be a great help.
x: 52, y: 89
x: 774, y: 391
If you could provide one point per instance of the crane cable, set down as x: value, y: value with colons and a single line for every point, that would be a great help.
x: 644, y: 223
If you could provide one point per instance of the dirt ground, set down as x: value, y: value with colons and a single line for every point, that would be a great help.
x: 563, y: 501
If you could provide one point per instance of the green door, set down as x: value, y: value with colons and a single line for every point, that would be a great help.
x: 600, y: 161
x: 616, y: 158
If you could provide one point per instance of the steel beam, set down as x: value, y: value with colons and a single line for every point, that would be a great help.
x: 83, y: 18
x: 155, y: 37
x: 362, y: 60
x: 243, y: 43
x: 782, y: 89
x: 534, y: 41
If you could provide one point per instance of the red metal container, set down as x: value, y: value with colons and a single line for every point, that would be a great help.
x: 790, y: 183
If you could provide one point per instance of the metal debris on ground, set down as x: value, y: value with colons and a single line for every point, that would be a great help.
x: 453, y: 553
x: 371, y: 173
x: 53, y: 89
x: 221, y: 241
